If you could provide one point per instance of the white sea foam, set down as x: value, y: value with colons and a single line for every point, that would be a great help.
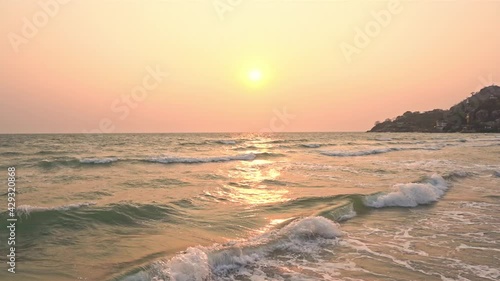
x: 311, y: 227
x: 410, y: 194
x: 463, y: 246
x: 244, y: 257
x: 482, y: 271
x: 360, y: 246
x: 457, y: 174
x: 98, y: 160
x: 168, y: 160
x: 191, y: 265
x: 351, y: 214
x: 357, y: 153
x: 347, y: 153
x: 28, y: 209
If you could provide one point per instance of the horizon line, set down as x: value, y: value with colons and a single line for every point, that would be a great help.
x: 152, y: 133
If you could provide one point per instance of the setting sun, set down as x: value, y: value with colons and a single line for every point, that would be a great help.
x: 255, y: 75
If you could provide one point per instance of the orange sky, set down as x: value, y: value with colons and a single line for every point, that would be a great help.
x: 73, y: 66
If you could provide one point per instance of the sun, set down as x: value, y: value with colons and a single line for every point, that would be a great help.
x: 255, y: 75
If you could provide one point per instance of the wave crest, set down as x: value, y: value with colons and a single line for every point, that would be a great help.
x: 311, y: 145
x: 410, y: 194
x: 98, y: 160
x: 170, y: 160
x: 306, y: 236
x: 26, y: 210
x: 226, y: 142
x: 311, y: 227
x: 343, y: 153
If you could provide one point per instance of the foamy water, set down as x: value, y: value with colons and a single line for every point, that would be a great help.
x: 318, y: 206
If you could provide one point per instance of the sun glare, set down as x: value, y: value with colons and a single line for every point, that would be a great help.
x: 255, y: 75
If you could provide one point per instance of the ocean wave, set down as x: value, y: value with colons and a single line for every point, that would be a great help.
x: 26, y: 210
x: 306, y: 237
x: 276, y: 182
x: 46, y: 152
x: 496, y: 174
x: 226, y: 141
x: 311, y: 145
x: 98, y: 160
x: 172, y: 160
x: 311, y: 227
x: 248, y: 147
x: 193, y: 143
x: 337, y: 208
x: 493, y: 144
x: 307, y: 203
x: 76, y: 162
x: 46, y: 163
x: 383, y: 139
x: 344, y: 153
x: 11, y: 153
x: 278, y: 141
x: 266, y: 155
x: 343, y: 213
x: 357, y: 153
x: 410, y: 194
x: 459, y: 174
x: 86, y: 214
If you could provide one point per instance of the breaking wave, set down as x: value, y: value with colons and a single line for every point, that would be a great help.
x: 305, y: 237
x: 75, y: 162
x: 26, y: 210
x: 410, y: 194
x: 344, y: 153
x: 98, y: 160
x: 87, y: 214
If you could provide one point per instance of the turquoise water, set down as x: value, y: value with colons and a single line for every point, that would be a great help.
x: 295, y: 206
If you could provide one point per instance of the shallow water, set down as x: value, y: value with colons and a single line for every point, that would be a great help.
x: 298, y: 206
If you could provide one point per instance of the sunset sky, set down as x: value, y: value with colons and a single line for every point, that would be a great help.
x: 235, y: 66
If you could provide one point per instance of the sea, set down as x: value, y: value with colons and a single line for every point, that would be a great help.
x: 253, y: 207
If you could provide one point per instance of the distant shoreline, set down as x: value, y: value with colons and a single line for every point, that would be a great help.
x: 479, y: 113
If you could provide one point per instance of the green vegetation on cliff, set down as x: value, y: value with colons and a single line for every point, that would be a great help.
x: 478, y: 113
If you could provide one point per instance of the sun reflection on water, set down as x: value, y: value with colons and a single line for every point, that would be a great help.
x: 247, y: 184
